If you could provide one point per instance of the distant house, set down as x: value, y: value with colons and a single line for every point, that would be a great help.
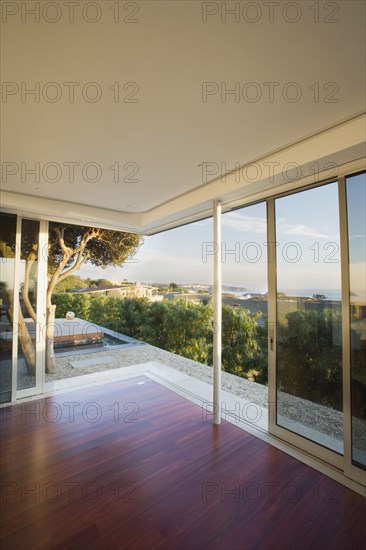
x: 193, y: 297
x: 122, y: 291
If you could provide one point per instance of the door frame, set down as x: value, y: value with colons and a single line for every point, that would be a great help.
x: 350, y: 470
x: 37, y: 389
x: 341, y: 462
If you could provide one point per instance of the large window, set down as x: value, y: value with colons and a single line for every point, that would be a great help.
x: 7, y: 254
x: 309, y: 316
x: 27, y: 333
x: 286, y: 264
x: 23, y: 280
x: 245, y: 293
x: 356, y: 204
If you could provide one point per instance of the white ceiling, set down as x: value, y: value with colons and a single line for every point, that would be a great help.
x: 170, y: 131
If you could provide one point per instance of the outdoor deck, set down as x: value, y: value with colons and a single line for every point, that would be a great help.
x: 133, y: 465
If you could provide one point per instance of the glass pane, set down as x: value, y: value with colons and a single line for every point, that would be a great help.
x: 356, y: 201
x: 26, y: 377
x: 309, y: 331
x: 7, y: 254
x: 245, y: 294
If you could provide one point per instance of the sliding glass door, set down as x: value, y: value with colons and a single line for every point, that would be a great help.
x: 309, y: 320
x: 28, y: 333
x: 24, y: 279
x: 8, y: 230
x: 317, y: 311
x: 356, y: 205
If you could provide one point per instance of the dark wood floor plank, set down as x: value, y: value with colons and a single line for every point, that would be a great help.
x: 167, y: 481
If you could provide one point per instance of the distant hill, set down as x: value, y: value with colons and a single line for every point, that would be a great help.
x: 73, y: 282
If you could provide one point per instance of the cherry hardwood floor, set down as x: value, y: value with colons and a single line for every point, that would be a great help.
x: 133, y: 465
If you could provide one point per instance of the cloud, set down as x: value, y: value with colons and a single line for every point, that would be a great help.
x: 245, y: 224
x: 155, y: 265
x: 301, y: 230
x: 252, y: 224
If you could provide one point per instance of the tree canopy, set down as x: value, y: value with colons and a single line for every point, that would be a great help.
x: 71, y: 246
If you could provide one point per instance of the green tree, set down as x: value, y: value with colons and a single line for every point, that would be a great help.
x: 241, y: 349
x: 63, y: 302
x: 80, y: 305
x: 189, y: 330
x: 102, y: 309
x: 69, y: 248
x: 153, y: 329
x: 310, y: 341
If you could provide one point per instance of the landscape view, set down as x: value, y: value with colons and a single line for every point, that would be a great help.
x: 178, y: 318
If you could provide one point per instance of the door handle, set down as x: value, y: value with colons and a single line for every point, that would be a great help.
x: 271, y: 338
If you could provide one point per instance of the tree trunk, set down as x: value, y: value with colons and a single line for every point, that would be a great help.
x: 24, y: 338
x: 50, y: 330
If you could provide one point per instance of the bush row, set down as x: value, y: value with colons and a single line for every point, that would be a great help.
x: 182, y: 328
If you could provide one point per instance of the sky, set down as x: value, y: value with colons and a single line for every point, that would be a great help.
x: 172, y: 256
x: 307, y: 236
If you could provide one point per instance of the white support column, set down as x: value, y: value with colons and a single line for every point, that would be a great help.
x: 217, y: 301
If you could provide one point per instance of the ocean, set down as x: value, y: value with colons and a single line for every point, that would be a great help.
x: 331, y: 294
